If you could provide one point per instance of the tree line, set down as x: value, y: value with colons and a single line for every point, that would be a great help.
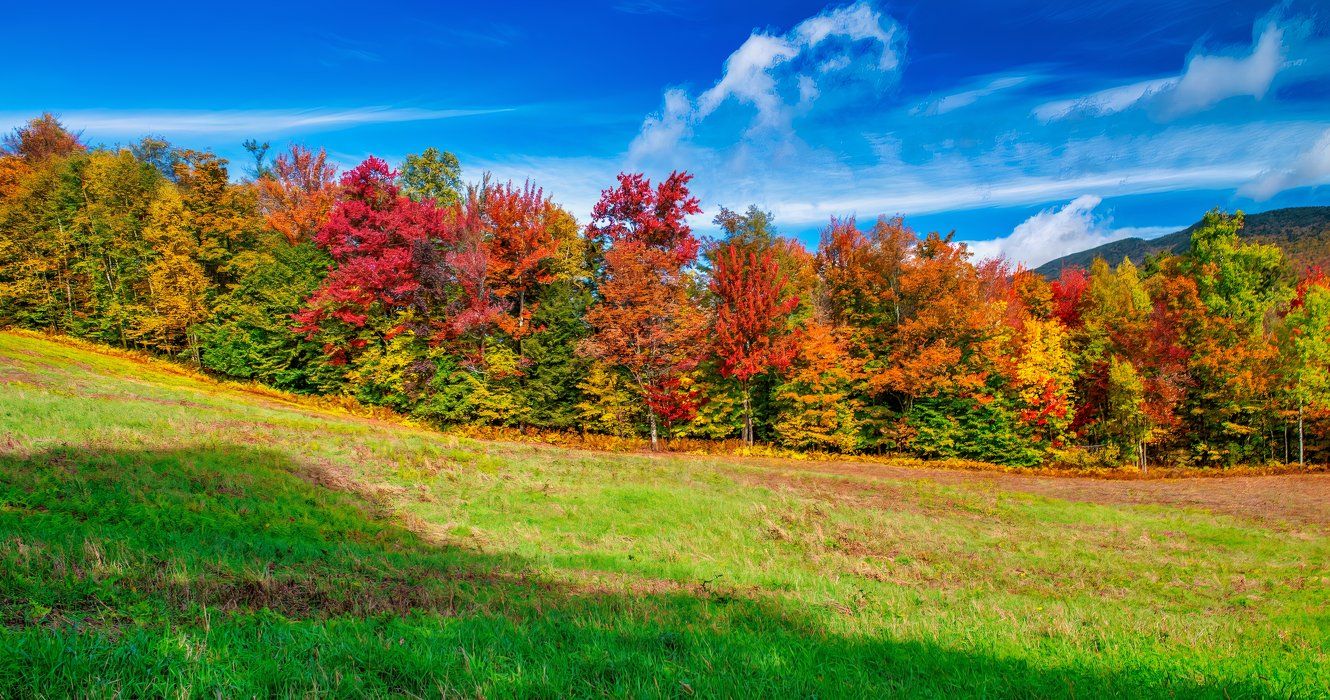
x: 489, y: 303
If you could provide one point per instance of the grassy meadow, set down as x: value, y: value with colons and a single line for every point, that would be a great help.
x: 161, y: 534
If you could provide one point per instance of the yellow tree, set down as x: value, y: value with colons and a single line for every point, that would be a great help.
x: 222, y: 215
x: 1043, y: 377
x: 817, y: 400
x: 177, y: 283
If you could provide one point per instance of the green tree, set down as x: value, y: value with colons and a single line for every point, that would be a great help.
x: 552, y: 367
x: 434, y: 174
x: 118, y: 190
x: 250, y: 335
x: 42, y: 281
x: 1232, y: 364
x: 1236, y: 280
x: 1305, y: 336
x: 1125, y: 423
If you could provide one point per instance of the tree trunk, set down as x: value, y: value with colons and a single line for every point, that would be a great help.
x: 521, y: 322
x: 1302, y: 462
x: 748, y: 415
x: 651, y: 417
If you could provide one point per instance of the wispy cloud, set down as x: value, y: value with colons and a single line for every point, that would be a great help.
x: 1310, y: 168
x: 256, y: 122
x: 1058, y: 231
x: 1205, y: 81
x: 807, y: 189
x: 339, y: 49
x: 956, y: 100
x: 649, y: 7
x: 1104, y: 102
x: 816, y: 183
x: 483, y: 34
x: 913, y: 196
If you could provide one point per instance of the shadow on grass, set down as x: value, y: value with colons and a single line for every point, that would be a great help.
x: 230, y: 571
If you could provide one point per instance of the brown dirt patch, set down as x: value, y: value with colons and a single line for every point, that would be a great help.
x: 1296, y: 498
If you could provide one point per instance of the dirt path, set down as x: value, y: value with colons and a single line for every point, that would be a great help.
x: 1297, y: 498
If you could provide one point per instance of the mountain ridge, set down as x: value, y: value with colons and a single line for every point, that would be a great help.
x: 1302, y: 232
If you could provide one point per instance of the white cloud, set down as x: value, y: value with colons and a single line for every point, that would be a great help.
x: 668, y: 127
x: 806, y: 188
x: 912, y: 196
x: 857, y: 22
x: 965, y: 98
x: 250, y: 122
x: 868, y: 158
x: 1104, y: 102
x: 1310, y: 168
x: 1205, y: 81
x: 1055, y: 232
x: 747, y: 78
x: 778, y: 75
x: 1209, y: 80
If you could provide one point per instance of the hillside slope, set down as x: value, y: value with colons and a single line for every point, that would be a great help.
x: 1303, y: 233
x: 163, y: 534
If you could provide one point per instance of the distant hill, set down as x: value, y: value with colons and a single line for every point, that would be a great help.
x: 1303, y: 233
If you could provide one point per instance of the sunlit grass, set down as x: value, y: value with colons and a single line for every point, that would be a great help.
x: 160, y: 533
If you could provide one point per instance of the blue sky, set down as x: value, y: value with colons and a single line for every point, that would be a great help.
x: 1031, y: 128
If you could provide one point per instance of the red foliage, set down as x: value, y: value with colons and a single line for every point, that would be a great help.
x: 1068, y: 290
x: 1165, y: 356
x: 387, y: 252
x: 1050, y: 405
x: 632, y: 211
x: 41, y: 138
x: 467, y: 263
x: 1314, y: 277
x: 672, y: 403
x: 751, y: 334
x: 522, y: 250
x: 646, y: 323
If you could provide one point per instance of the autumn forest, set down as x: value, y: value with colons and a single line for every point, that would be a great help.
x: 489, y: 304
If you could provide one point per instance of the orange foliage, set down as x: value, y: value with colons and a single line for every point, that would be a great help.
x: 297, y: 196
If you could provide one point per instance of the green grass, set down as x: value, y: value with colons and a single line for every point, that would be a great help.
x: 160, y: 535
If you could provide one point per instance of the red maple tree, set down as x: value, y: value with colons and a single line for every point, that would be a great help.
x: 1068, y: 290
x: 389, y: 250
x: 522, y: 250
x: 646, y: 322
x: 751, y: 332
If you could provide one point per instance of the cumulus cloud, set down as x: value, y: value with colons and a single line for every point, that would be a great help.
x: 1055, y: 232
x: 778, y: 74
x: 1310, y: 168
x: 857, y: 151
x: 747, y: 78
x: 1205, y: 81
